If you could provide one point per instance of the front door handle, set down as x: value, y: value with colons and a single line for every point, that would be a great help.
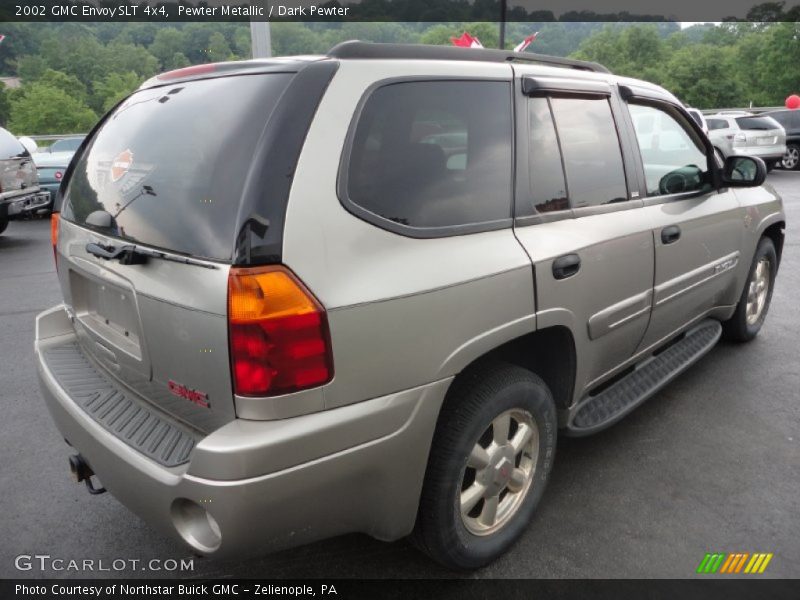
x: 566, y: 266
x: 670, y: 234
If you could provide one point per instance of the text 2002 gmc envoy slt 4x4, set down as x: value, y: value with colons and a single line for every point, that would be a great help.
x: 362, y: 292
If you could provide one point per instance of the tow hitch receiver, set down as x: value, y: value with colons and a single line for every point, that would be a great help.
x: 81, y: 471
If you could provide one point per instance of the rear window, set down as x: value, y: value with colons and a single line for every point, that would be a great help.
x: 789, y: 119
x: 758, y: 123
x: 168, y: 167
x: 66, y: 145
x: 432, y: 155
x: 10, y: 147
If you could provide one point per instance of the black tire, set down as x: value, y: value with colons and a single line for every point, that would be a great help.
x: 791, y: 160
x: 3, y: 225
x: 476, y: 399
x: 771, y: 164
x: 737, y: 328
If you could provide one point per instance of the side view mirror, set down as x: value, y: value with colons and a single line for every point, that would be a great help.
x: 744, y: 171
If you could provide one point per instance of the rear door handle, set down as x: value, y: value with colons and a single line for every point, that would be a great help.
x: 566, y: 266
x: 670, y: 234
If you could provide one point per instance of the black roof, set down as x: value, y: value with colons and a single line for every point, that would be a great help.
x: 366, y: 50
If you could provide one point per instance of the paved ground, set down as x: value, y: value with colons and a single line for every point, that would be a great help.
x: 710, y: 464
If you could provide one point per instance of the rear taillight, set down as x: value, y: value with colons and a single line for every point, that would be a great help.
x: 279, y: 340
x: 54, y: 221
x: 58, y: 175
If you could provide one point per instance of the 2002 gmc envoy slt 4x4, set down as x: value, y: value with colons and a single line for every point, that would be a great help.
x: 362, y: 292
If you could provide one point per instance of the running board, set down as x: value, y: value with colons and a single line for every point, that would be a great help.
x: 595, y: 413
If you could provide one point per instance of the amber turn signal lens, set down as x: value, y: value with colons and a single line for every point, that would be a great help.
x: 279, y: 340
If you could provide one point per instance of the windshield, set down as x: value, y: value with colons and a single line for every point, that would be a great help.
x: 760, y: 123
x: 168, y: 167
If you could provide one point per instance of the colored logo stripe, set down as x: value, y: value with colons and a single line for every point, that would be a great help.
x: 721, y: 562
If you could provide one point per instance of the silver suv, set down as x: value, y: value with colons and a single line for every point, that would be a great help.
x: 364, y: 292
x: 746, y: 134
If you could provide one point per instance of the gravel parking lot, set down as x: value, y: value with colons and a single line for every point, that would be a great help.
x: 712, y: 463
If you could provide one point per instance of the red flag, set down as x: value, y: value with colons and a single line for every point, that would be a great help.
x: 466, y: 41
x: 526, y: 42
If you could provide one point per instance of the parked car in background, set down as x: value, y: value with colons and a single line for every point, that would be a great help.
x: 698, y: 118
x: 19, y: 184
x: 69, y: 144
x: 790, y: 121
x: 51, y: 168
x: 746, y: 134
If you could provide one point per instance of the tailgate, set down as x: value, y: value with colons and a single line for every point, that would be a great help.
x: 160, y: 328
x: 164, y: 173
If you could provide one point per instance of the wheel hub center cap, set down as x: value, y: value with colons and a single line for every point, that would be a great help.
x: 500, y: 470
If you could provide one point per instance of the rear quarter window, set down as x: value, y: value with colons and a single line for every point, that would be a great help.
x: 757, y: 123
x: 432, y: 157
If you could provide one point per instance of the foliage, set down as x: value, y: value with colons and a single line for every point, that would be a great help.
x: 42, y: 109
x: 74, y: 72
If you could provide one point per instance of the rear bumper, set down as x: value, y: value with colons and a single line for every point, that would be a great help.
x: 266, y: 484
x: 18, y: 206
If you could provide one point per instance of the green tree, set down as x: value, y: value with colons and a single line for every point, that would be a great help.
x: 704, y: 76
x: 43, y: 109
x: 166, y: 44
x: 218, y: 48
x: 778, y: 63
x: 125, y: 58
x: 114, y: 87
x: 5, y: 104
x: 68, y: 84
x: 31, y: 67
x: 179, y: 61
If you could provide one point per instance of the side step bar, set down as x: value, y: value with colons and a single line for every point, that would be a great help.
x: 595, y: 413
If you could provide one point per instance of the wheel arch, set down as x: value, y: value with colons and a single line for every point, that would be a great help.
x: 775, y: 232
x: 549, y: 353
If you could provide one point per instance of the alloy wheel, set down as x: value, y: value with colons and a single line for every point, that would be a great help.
x: 499, y: 472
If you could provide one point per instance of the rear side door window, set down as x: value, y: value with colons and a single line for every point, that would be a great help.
x: 431, y: 158
x: 673, y: 155
x: 548, y: 186
x: 591, y: 151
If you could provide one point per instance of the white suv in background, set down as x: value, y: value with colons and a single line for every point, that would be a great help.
x: 746, y: 134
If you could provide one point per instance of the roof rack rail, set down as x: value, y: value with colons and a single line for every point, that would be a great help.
x: 358, y: 49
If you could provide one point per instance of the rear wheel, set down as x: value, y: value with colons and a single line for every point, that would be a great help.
x: 791, y: 160
x: 488, y: 467
x: 753, y: 305
x: 3, y: 225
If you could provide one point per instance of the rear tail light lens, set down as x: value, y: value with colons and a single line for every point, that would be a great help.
x: 54, y: 222
x: 739, y: 138
x: 58, y: 175
x: 279, y: 339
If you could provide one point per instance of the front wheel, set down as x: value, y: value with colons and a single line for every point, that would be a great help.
x: 791, y: 160
x: 753, y: 305
x: 489, y: 463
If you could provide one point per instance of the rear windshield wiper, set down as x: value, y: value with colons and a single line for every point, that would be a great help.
x: 131, y: 254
